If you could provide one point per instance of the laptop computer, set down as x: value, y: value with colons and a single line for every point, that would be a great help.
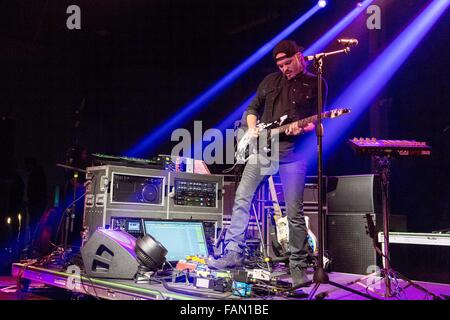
x: 180, y: 238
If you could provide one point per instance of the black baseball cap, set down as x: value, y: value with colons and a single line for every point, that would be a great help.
x: 288, y: 47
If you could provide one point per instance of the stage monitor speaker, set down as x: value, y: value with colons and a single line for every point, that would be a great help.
x: 110, y: 254
x: 348, y: 244
x: 354, y: 194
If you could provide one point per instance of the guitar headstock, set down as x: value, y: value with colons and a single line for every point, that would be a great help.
x: 334, y: 113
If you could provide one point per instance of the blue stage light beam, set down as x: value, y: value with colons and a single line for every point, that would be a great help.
x: 365, y: 88
x: 331, y: 35
x: 154, y: 138
x: 227, y: 123
x: 236, y: 115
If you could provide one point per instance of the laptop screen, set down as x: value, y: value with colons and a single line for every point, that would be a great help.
x: 180, y: 238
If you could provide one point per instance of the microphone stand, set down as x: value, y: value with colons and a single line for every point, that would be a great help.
x: 70, y: 216
x: 318, y: 60
x: 320, y: 275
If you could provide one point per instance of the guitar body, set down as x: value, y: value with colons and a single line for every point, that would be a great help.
x: 281, y: 223
x: 247, y: 144
x: 311, y: 238
x: 282, y: 228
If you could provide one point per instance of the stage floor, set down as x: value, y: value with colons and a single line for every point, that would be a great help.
x: 375, y: 287
x: 46, y: 284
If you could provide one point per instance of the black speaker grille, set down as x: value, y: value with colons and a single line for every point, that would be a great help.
x: 348, y: 244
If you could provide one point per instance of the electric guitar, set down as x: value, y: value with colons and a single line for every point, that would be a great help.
x: 281, y: 223
x: 242, y: 150
x: 282, y: 227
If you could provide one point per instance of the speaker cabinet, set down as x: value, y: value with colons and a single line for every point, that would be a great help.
x: 110, y: 254
x: 354, y: 194
x: 348, y: 244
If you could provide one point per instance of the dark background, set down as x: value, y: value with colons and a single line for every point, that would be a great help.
x: 135, y: 63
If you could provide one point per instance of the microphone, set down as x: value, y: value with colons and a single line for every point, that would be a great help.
x: 348, y: 42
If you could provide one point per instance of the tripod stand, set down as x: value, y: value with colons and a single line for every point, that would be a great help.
x: 386, y: 274
x: 320, y: 275
x: 384, y: 170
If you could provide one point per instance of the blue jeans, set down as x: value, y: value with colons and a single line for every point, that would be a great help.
x: 292, y: 176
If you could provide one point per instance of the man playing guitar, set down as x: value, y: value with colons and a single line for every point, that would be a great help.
x: 292, y: 92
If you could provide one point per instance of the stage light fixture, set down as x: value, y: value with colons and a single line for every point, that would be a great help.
x: 334, y: 32
x: 322, y: 3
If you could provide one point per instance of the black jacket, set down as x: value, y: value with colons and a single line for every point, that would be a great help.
x: 276, y: 96
x: 305, y: 96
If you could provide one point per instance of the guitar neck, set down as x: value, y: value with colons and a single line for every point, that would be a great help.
x: 301, y: 123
